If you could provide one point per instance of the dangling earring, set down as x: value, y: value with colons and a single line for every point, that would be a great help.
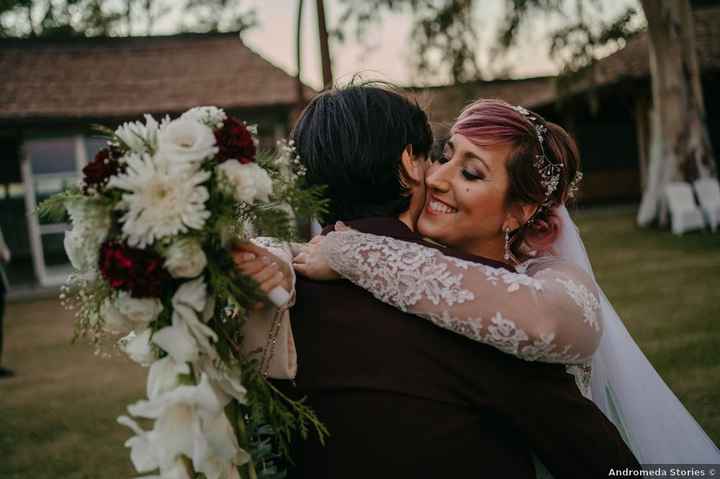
x: 508, y: 255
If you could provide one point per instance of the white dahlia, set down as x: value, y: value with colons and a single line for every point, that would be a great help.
x: 138, y: 137
x: 160, y: 201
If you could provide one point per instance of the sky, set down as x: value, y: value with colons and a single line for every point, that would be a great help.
x: 387, y: 54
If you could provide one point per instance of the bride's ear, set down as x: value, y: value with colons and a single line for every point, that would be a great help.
x: 412, y: 170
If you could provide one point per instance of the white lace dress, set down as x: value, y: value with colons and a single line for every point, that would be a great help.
x: 547, y: 312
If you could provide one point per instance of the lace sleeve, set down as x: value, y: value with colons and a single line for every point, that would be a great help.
x: 549, y: 314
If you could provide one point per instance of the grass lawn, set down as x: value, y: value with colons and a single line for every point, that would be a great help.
x: 57, y: 416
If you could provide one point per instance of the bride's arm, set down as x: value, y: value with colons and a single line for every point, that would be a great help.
x: 549, y: 314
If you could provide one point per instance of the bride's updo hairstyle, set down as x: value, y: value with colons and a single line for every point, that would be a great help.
x: 488, y: 122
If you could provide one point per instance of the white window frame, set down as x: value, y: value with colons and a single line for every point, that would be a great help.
x: 45, y: 275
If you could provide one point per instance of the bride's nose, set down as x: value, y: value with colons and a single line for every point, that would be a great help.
x: 436, y: 179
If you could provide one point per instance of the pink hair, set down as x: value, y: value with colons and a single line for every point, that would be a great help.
x: 488, y: 122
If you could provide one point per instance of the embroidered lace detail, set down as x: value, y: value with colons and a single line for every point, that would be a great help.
x: 531, y: 316
x: 416, y: 273
x: 585, y: 299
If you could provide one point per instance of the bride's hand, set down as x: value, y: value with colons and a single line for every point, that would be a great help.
x: 311, y: 264
x: 262, y: 266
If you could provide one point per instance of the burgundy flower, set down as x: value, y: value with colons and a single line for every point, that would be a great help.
x: 138, y: 271
x: 98, y: 172
x: 235, y: 142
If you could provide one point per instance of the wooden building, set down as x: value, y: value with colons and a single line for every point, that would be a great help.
x: 52, y: 90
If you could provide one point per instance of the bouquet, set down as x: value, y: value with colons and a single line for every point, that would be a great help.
x: 152, y: 221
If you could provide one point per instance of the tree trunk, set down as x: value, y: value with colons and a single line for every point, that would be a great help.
x: 680, y: 147
x: 128, y: 17
x: 324, y: 47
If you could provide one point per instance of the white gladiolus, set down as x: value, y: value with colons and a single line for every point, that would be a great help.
x: 143, y: 452
x: 185, y: 258
x: 225, y: 378
x: 187, y: 335
x: 246, y: 182
x: 177, y: 341
x: 164, y: 376
x: 138, y: 347
x: 176, y: 470
x: 188, y: 308
x: 187, y: 141
x: 189, y: 422
x: 217, y: 451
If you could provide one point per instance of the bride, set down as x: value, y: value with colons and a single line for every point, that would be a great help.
x: 499, y: 191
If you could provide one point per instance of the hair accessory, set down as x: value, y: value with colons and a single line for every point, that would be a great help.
x: 507, y: 244
x: 549, y: 172
x: 575, y: 185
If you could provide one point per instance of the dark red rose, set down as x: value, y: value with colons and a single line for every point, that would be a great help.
x: 98, y: 172
x: 137, y: 271
x: 235, y: 142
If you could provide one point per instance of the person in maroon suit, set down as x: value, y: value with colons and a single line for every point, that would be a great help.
x: 402, y: 397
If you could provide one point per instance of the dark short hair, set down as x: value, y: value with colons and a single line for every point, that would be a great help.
x: 351, y: 139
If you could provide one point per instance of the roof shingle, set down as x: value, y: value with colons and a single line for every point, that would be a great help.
x: 122, y: 77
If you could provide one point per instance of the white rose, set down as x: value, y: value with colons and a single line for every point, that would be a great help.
x: 211, y: 116
x: 113, y: 321
x: 138, y: 312
x: 248, y: 182
x: 138, y: 347
x: 185, y: 258
x: 186, y: 141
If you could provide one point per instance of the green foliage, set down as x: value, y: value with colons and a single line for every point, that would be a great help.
x: 53, y: 208
x: 91, y: 18
x: 446, y: 40
x: 443, y: 29
x: 278, y: 416
x: 217, y: 16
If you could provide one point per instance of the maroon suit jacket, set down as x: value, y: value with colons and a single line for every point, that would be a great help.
x: 404, y: 398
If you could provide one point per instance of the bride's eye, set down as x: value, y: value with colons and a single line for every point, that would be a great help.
x: 472, y: 176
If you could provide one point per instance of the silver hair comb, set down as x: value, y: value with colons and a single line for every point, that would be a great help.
x: 549, y: 172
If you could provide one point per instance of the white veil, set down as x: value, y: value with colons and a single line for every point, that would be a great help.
x: 626, y: 387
